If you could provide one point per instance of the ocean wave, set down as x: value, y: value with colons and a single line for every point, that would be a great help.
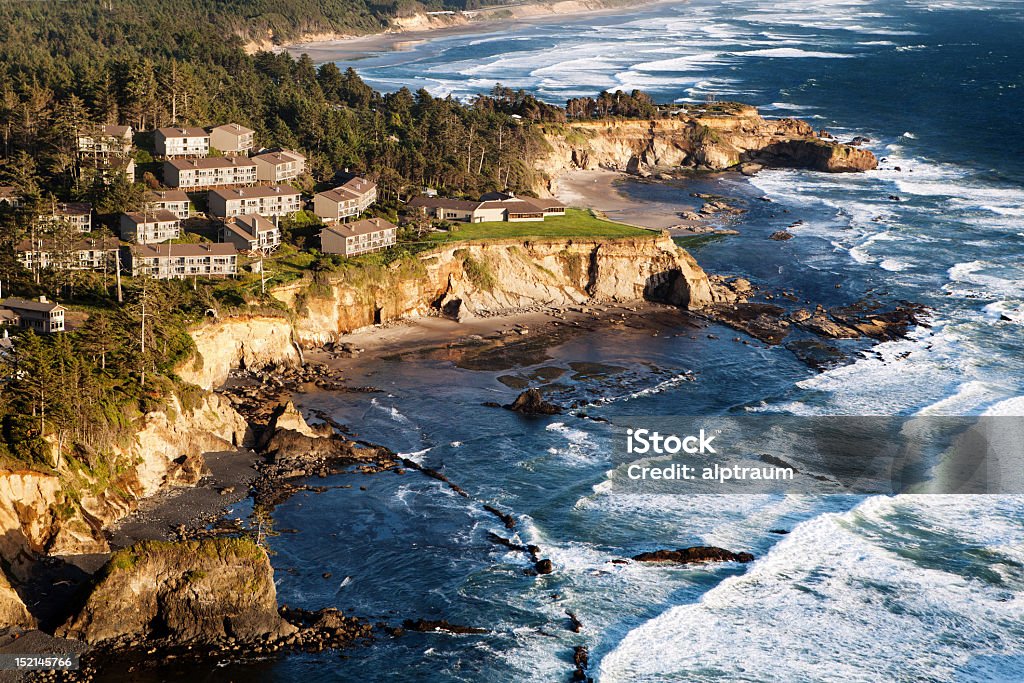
x: 826, y: 595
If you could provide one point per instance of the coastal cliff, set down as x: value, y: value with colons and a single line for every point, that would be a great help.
x: 460, y: 280
x: 713, y: 138
x: 65, y: 512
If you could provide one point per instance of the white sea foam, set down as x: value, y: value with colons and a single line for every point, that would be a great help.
x: 825, y: 596
x: 1012, y: 407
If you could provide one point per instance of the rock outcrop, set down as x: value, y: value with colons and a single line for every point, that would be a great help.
x: 13, y: 612
x: 531, y: 402
x: 727, y: 136
x: 694, y: 555
x: 461, y: 280
x: 191, y: 591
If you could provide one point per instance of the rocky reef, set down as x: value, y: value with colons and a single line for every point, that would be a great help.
x: 712, y: 138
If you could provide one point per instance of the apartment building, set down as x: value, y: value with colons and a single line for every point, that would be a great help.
x: 279, y: 167
x: 345, y: 201
x: 149, y: 227
x: 267, y: 201
x: 194, y: 174
x: 360, y: 237
x: 181, y: 142
x: 232, y: 138
x: 168, y: 261
x: 251, y: 232
x: 175, y: 201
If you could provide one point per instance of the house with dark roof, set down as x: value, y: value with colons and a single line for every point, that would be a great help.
x: 42, y: 316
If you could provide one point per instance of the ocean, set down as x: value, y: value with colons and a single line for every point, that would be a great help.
x: 863, y: 588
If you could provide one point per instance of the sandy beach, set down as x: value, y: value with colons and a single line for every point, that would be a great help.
x: 409, y: 31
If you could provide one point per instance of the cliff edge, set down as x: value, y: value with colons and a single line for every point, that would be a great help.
x: 713, y: 138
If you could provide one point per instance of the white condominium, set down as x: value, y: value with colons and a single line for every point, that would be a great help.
x: 148, y: 227
x: 211, y: 172
x: 267, y: 201
x: 181, y: 142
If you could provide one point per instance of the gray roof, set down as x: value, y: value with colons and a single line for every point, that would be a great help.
x: 17, y: 304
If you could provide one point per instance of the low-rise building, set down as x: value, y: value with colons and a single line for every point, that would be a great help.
x: 175, y: 201
x: 232, y: 138
x: 150, y: 227
x: 42, y: 316
x: 105, y: 140
x: 345, y: 201
x: 84, y: 254
x: 493, y: 207
x: 181, y: 142
x: 251, y: 232
x: 194, y: 174
x: 360, y: 237
x: 76, y: 214
x: 279, y: 167
x: 10, y: 196
x: 267, y: 201
x: 168, y: 261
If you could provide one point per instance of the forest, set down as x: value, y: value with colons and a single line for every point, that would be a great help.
x: 148, y: 63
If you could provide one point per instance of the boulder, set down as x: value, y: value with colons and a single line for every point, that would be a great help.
x: 188, y: 591
x: 694, y: 555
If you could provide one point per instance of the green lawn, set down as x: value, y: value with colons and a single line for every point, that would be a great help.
x: 575, y: 223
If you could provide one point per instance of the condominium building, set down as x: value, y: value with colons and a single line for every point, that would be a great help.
x: 251, y: 232
x: 150, y: 227
x: 279, y: 167
x: 85, y: 254
x: 175, y: 201
x: 181, y: 142
x: 76, y: 214
x: 102, y: 141
x: 360, y: 237
x: 210, y: 172
x: 168, y: 261
x: 345, y: 201
x: 267, y: 201
x: 232, y: 138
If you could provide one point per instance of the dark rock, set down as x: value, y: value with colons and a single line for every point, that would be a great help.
x: 694, y: 555
x: 530, y: 402
x: 432, y: 626
x: 781, y: 532
x: 544, y: 566
x: 781, y: 236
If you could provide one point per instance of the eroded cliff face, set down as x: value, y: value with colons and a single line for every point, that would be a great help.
x: 65, y: 513
x: 461, y: 280
x: 711, y: 141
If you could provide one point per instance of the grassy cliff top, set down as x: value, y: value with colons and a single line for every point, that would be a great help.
x: 575, y: 223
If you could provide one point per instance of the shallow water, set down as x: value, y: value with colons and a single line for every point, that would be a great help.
x: 898, y: 588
